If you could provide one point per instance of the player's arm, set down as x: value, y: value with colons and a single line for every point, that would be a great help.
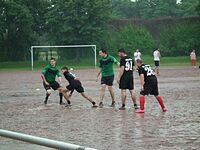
x: 43, y: 76
x: 142, y: 81
x: 121, y: 72
x: 98, y: 74
x: 59, y: 77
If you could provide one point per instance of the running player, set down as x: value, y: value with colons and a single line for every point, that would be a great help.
x: 75, y: 84
x: 156, y: 55
x: 125, y: 78
x: 149, y: 85
x: 107, y: 72
x: 49, y: 74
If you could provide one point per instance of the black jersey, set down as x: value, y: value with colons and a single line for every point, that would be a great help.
x: 128, y: 64
x: 149, y: 74
x: 70, y: 77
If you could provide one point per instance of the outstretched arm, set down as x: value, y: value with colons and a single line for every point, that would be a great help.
x: 44, y: 79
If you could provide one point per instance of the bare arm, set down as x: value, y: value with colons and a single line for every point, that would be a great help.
x: 44, y: 79
x: 121, y: 72
x: 142, y: 81
x: 98, y: 74
x: 60, y: 80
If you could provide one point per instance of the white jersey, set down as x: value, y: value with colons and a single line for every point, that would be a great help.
x: 137, y: 55
x: 156, y: 55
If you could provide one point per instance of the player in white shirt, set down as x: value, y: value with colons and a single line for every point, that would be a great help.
x: 156, y: 55
x: 137, y: 55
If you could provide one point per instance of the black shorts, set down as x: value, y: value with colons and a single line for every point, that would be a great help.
x: 107, y: 80
x: 54, y: 85
x: 150, y: 88
x: 157, y: 63
x: 75, y: 86
x: 126, y: 82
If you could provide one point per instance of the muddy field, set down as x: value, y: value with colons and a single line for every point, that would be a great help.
x: 22, y: 110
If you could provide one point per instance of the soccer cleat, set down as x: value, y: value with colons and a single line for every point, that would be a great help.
x: 62, y: 103
x: 112, y: 104
x: 164, y: 109
x: 100, y: 104
x: 122, y: 108
x: 94, y: 104
x: 136, y: 106
x: 139, y: 111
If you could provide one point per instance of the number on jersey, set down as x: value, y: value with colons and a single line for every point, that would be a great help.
x: 129, y: 65
x: 149, y: 71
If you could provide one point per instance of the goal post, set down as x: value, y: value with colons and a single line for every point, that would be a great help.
x: 64, y: 46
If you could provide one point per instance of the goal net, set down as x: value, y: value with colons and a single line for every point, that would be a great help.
x: 69, y: 55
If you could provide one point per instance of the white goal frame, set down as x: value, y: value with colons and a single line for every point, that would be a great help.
x: 64, y: 46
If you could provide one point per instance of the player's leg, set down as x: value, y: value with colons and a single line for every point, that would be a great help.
x: 109, y: 83
x: 133, y: 97
x: 110, y: 89
x: 61, y: 98
x: 145, y: 91
x: 160, y: 101
x: 89, y: 99
x: 48, y: 92
x: 156, y: 94
x: 102, y: 94
x: 123, y: 99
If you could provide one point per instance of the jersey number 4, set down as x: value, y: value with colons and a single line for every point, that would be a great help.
x: 129, y: 66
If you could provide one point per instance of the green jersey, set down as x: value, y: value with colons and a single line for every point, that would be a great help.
x: 50, y: 73
x: 106, y: 65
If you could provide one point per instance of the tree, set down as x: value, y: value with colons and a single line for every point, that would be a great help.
x: 16, y: 23
x: 77, y: 21
x: 190, y: 7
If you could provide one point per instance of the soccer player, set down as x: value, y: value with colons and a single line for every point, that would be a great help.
x: 149, y: 85
x: 107, y: 75
x: 125, y: 78
x: 49, y: 74
x: 75, y: 84
x: 193, y: 58
x: 156, y: 55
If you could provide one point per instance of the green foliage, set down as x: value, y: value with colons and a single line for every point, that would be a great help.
x: 180, y: 40
x: 134, y: 37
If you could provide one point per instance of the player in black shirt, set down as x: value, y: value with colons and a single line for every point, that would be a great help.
x: 75, y: 84
x: 149, y: 85
x: 125, y: 78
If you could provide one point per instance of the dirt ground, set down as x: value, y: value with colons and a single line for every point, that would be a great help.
x: 22, y: 110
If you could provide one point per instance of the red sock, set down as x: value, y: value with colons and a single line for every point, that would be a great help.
x: 142, y: 101
x: 160, y: 101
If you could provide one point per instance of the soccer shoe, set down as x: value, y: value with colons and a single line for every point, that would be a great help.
x: 68, y: 105
x: 164, y: 109
x: 100, y: 104
x: 112, y: 104
x: 136, y: 106
x: 122, y: 108
x: 94, y: 104
x: 139, y: 111
x: 62, y: 103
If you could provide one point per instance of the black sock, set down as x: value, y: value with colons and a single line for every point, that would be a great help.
x: 123, y: 105
x: 61, y: 97
x: 68, y: 102
x: 93, y: 103
x: 47, y: 96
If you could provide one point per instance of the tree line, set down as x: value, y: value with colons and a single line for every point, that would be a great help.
x: 60, y: 22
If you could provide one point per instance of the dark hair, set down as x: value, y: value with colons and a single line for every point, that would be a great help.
x: 103, y: 50
x: 52, y: 58
x: 122, y: 50
x: 64, y: 68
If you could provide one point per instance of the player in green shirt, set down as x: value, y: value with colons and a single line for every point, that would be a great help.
x: 49, y: 74
x: 107, y: 75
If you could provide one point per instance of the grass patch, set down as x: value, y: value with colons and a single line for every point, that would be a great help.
x: 89, y: 63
